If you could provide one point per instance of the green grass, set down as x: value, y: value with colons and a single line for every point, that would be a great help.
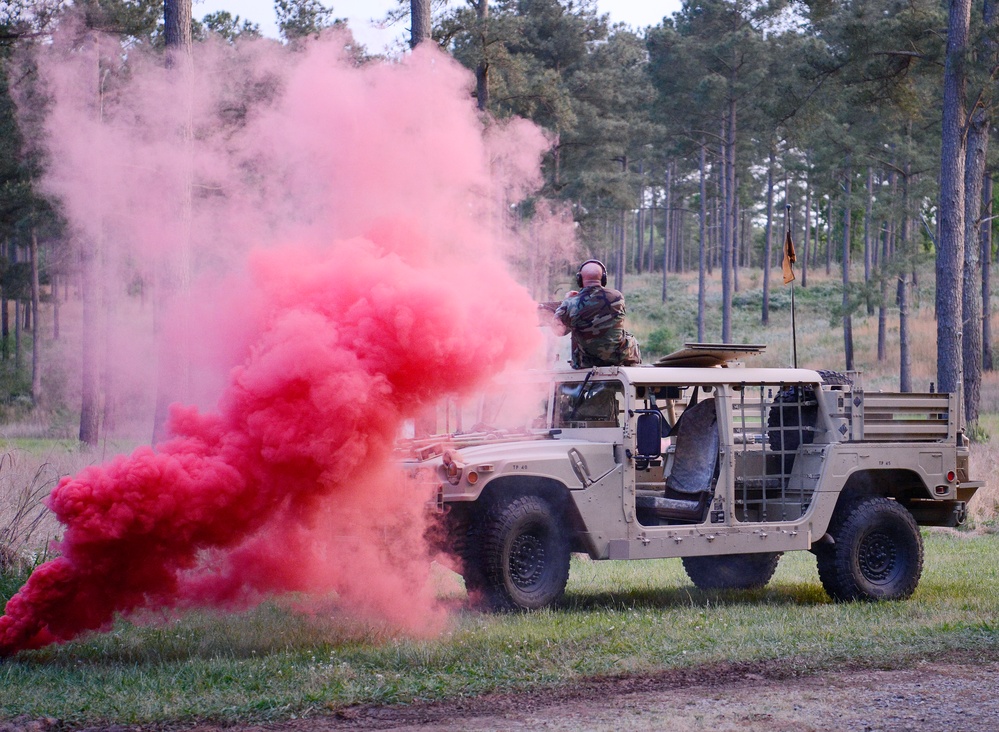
x: 618, y: 618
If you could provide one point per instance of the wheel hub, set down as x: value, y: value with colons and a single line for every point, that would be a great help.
x: 527, y: 560
x: 877, y: 556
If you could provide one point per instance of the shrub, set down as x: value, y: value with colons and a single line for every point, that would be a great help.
x: 22, y: 511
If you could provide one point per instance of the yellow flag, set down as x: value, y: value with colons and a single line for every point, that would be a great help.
x: 788, y: 264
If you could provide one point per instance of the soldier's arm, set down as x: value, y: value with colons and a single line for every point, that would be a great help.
x: 561, y: 323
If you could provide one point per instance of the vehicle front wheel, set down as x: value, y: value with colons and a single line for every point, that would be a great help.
x: 877, y: 554
x: 525, y: 555
x: 731, y: 571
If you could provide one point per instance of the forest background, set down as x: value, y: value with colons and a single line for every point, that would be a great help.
x: 682, y: 153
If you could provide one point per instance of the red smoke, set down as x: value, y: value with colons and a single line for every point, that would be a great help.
x: 347, y: 277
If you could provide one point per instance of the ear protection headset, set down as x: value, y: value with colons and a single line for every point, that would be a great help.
x: 603, y: 272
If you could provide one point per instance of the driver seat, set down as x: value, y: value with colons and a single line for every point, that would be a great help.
x: 691, y: 482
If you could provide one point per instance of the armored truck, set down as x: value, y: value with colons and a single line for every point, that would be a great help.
x: 704, y: 459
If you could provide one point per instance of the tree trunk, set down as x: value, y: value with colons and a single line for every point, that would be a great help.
x: 667, y: 229
x: 905, y: 246
x: 736, y: 238
x: 640, y: 220
x: 971, y: 286
x: 420, y: 16
x: 17, y: 334
x: 54, y: 284
x: 174, y: 275
x: 702, y: 235
x: 482, y: 68
x: 767, y: 240
x: 868, y: 254
x: 717, y: 224
x: 622, y: 246
x: 847, y: 317
x: 728, y: 216
x: 987, y: 275
x: 829, y: 236
x: 36, y: 341
x: 883, y: 294
x: 990, y: 52
x: 177, y: 25
x: 5, y: 318
x: 650, y: 253
x: 89, y: 412
x: 639, y: 239
x: 887, y: 250
x: 807, y: 236
x: 950, y: 252
x: 681, y: 223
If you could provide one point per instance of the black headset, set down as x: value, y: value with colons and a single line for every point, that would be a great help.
x: 603, y: 272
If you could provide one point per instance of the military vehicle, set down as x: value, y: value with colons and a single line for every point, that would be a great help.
x: 705, y: 459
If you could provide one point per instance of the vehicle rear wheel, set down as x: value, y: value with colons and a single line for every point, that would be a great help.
x: 525, y: 557
x: 731, y: 571
x: 877, y: 554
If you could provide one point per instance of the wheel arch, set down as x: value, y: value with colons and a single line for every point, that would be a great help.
x: 902, y: 484
x: 511, y: 487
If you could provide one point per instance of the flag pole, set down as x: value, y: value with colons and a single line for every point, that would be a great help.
x: 794, y: 330
x: 789, y: 258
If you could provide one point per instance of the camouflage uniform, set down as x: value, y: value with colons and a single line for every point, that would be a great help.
x: 595, y: 318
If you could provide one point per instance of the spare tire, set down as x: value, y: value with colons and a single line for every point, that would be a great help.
x: 785, y: 429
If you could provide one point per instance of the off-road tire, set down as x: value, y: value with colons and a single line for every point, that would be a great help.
x: 877, y: 554
x: 472, y: 570
x: 525, y: 555
x: 731, y: 571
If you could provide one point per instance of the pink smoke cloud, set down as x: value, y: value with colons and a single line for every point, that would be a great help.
x: 345, y: 273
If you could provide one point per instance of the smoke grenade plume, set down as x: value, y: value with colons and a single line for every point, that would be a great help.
x: 342, y: 249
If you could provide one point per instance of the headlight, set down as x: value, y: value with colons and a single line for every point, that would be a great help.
x: 452, y: 468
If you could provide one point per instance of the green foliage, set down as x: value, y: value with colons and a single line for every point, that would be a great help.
x: 302, y: 18
x: 225, y: 25
x: 660, y: 342
x: 15, y: 280
x: 11, y: 579
x: 135, y: 19
x: 15, y: 382
x: 558, y: 64
x: 977, y: 433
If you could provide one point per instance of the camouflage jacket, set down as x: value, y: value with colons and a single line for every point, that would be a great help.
x: 595, y: 318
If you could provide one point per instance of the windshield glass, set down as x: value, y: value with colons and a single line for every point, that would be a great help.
x: 593, y: 404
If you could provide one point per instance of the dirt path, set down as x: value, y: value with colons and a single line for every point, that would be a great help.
x: 959, y: 693
x: 955, y: 694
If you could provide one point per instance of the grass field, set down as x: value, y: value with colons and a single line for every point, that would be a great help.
x: 619, y: 617
x: 294, y: 657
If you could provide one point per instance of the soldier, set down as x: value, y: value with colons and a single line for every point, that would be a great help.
x: 594, y: 316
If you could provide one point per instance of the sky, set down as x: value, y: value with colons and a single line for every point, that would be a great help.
x: 360, y: 13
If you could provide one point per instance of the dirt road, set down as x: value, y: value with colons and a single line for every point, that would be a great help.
x: 957, y: 694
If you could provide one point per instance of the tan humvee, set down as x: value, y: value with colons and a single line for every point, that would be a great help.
x: 726, y: 467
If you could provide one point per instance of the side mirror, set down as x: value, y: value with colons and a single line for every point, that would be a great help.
x: 650, y: 435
